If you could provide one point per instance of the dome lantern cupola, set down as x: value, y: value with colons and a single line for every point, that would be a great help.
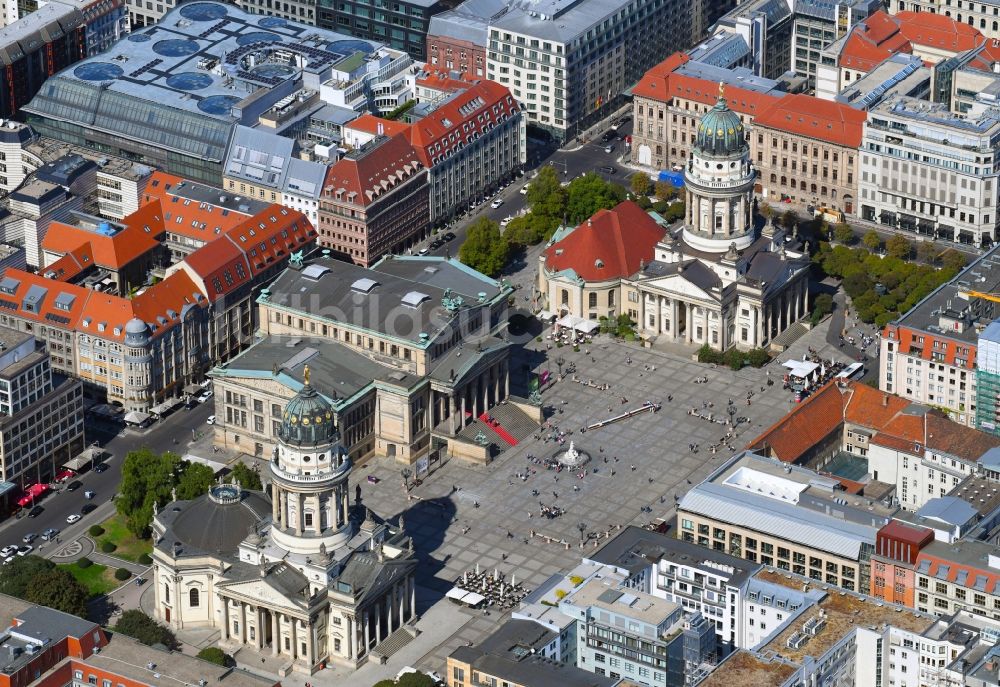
x: 308, y: 418
x: 720, y: 131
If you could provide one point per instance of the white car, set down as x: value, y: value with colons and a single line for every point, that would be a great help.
x: 424, y: 251
x: 505, y: 221
x: 210, y: 420
x: 24, y: 550
x: 73, y: 518
x: 8, y: 551
x: 524, y: 189
x: 203, y: 398
x: 496, y: 203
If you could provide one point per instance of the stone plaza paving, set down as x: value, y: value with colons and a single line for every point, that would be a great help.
x: 464, y: 514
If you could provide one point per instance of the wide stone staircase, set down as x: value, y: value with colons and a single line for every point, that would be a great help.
x: 393, y: 643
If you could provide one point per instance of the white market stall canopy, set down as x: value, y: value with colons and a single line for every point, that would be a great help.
x: 578, y: 323
x: 463, y: 597
x: 802, y: 369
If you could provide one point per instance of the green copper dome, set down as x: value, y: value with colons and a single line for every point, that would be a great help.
x: 308, y: 418
x: 720, y: 131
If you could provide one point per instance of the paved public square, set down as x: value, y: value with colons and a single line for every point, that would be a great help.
x: 654, y: 463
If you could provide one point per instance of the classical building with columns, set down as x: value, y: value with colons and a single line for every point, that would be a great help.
x: 407, y: 353
x: 713, y: 279
x: 300, y: 576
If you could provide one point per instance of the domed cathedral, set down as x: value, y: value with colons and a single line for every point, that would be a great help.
x: 301, y: 577
x: 719, y: 278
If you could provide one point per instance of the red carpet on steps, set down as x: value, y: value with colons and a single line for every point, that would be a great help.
x: 503, y: 433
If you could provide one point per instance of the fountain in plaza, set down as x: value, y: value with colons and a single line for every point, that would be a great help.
x: 572, y: 457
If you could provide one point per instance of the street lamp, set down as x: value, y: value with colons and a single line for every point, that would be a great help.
x: 405, y: 473
x: 560, y: 361
x: 583, y: 528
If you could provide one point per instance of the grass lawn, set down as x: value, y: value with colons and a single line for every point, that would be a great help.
x: 98, y: 579
x: 127, y: 546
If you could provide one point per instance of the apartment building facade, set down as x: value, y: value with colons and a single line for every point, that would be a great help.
x: 41, y: 413
x: 375, y: 201
x: 928, y: 171
x: 806, y: 151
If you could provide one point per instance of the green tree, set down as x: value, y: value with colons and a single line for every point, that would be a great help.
x: 20, y: 573
x: 195, y: 479
x: 546, y: 196
x: 897, y: 246
x: 951, y: 259
x: 822, y: 306
x: 640, y: 184
x: 530, y: 229
x: 871, y: 240
x: 789, y: 219
x: 664, y: 190
x: 844, y: 234
x: 214, y: 654
x: 147, y: 479
x: 140, y: 626
x: 247, y: 478
x: 673, y: 212
x: 385, y: 683
x: 58, y: 589
x: 927, y: 252
x: 485, y: 249
x: 415, y: 680
x: 588, y: 194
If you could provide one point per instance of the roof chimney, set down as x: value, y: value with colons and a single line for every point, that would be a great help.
x: 380, y: 129
x: 885, y: 400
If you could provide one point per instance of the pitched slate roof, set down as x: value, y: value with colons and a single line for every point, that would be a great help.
x: 610, y: 245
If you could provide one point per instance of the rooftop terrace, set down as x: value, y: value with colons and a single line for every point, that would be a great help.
x: 743, y: 669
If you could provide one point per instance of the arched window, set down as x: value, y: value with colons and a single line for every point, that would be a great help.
x: 784, y: 181
x: 774, y: 178
x: 812, y: 188
x: 803, y: 186
x: 194, y: 598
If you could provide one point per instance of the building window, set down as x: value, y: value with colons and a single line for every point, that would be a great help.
x: 193, y: 599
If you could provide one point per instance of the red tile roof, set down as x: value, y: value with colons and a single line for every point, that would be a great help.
x: 370, y: 124
x: 254, y: 246
x: 459, y: 120
x: 443, y: 81
x: 111, y: 252
x: 101, y: 314
x: 610, y: 245
x: 882, y: 35
x: 361, y: 180
x: 806, y: 425
x: 932, y: 343
x: 986, y: 56
x: 662, y: 83
x: 954, y: 567
x: 70, y: 265
x: 202, y: 221
x: 804, y: 115
x: 868, y: 407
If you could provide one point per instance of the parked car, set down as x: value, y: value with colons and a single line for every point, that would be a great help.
x: 88, y: 507
x: 607, y: 136
x: 497, y: 202
x: 100, y: 467
x: 29, y: 537
x: 74, y: 485
x: 24, y: 550
x: 204, y: 397
x: 75, y: 517
x: 35, y: 512
x: 50, y: 534
x: 524, y: 189
x: 210, y: 420
x: 8, y: 551
x: 424, y: 251
x: 608, y: 169
x: 449, y: 236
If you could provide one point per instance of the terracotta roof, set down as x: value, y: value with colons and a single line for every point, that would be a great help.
x: 610, y: 245
x: 460, y: 119
x: 71, y: 265
x: 986, y: 56
x: 101, y: 314
x: 443, y: 81
x: 374, y: 172
x: 805, y: 426
x: 882, y: 35
x: 202, y: 221
x: 114, y: 252
x: 254, y: 246
x: 944, y: 435
x: 810, y: 117
x: 662, y: 83
x: 872, y: 408
x: 954, y: 567
x: 370, y: 124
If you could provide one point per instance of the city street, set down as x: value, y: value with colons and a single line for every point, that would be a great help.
x: 571, y: 161
x: 60, y: 504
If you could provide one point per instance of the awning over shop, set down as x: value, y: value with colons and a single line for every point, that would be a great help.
x: 578, y: 323
x: 31, y: 493
x: 166, y: 406
x: 81, y: 461
x: 137, y: 417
